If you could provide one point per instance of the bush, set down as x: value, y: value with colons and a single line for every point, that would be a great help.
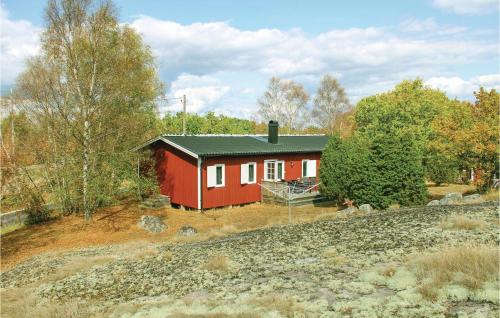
x: 37, y: 213
x: 441, y: 169
x: 398, y: 162
x: 380, y: 170
x: 347, y: 173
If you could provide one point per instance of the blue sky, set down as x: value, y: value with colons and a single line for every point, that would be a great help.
x: 221, y: 54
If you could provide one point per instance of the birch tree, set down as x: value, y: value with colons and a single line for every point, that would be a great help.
x: 330, y: 101
x: 92, y: 89
x: 284, y: 101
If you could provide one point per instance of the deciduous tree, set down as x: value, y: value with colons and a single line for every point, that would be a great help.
x: 330, y: 101
x: 284, y: 101
x: 92, y: 89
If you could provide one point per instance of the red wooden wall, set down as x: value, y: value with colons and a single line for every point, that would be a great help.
x: 233, y: 191
x: 177, y: 175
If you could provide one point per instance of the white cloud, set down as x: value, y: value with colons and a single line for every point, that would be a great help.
x: 368, y: 60
x: 468, y: 6
x: 203, y: 48
x: 195, y: 59
x: 457, y: 87
x: 201, y: 92
x: 18, y: 41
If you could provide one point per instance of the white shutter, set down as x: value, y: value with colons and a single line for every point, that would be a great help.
x: 311, y: 168
x: 211, y: 176
x: 283, y: 169
x: 244, y: 173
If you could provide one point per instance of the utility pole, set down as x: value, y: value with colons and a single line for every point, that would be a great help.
x: 184, y: 115
x: 12, y: 123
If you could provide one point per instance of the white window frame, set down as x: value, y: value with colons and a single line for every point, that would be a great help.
x: 275, y: 162
x: 223, y: 166
x: 244, y: 171
x: 214, y: 184
x: 311, y: 168
x: 254, y: 172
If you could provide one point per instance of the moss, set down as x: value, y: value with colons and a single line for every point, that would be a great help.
x: 489, y: 293
x: 362, y: 288
x: 456, y: 292
x: 373, y: 278
x: 402, y: 279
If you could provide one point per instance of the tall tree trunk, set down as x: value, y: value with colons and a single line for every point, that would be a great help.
x: 86, y: 136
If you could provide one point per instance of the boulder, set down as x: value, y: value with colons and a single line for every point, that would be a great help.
x: 366, y: 208
x: 473, y: 198
x: 451, y: 198
x: 152, y: 224
x: 187, y: 230
x: 433, y: 202
x: 350, y: 209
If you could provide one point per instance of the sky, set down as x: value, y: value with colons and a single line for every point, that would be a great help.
x: 221, y: 54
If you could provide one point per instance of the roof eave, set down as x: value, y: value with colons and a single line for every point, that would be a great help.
x: 169, y: 142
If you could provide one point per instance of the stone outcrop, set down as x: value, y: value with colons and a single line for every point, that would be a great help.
x: 152, y: 224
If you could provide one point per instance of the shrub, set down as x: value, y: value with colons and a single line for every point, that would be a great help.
x: 37, y: 213
x: 398, y: 161
x: 441, y: 169
x: 347, y: 173
x: 381, y: 170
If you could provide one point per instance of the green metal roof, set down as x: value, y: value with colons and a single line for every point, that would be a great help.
x: 213, y: 145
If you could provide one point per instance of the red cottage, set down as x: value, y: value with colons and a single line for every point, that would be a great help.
x: 208, y: 171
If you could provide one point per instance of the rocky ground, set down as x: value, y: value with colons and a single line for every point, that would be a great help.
x: 323, y: 269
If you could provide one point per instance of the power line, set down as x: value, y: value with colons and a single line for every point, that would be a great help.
x: 183, y: 100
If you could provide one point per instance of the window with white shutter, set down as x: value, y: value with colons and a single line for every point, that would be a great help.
x: 308, y: 168
x: 248, y: 173
x: 216, y: 176
x: 211, y: 176
x: 252, y: 172
x: 244, y: 173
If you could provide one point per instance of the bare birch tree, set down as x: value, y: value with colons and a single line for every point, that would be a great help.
x: 330, y: 101
x: 92, y: 89
x: 284, y: 101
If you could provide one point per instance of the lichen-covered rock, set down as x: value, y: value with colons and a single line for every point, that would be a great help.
x: 451, y: 198
x: 187, y: 230
x: 152, y: 224
x: 473, y: 198
x: 276, y: 265
x: 433, y: 203
x: 350, y: 209
x: 366, y: 208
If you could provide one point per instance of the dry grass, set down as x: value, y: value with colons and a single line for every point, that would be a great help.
x: 437, y: 192
x: 218, y: 263
x: 491, y: 195
x: 286, y: 306
x: 333, y: 257
x: 462, y: 222
x: 469, y: 266
x: 388, y: 270
x: 23, y: 302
